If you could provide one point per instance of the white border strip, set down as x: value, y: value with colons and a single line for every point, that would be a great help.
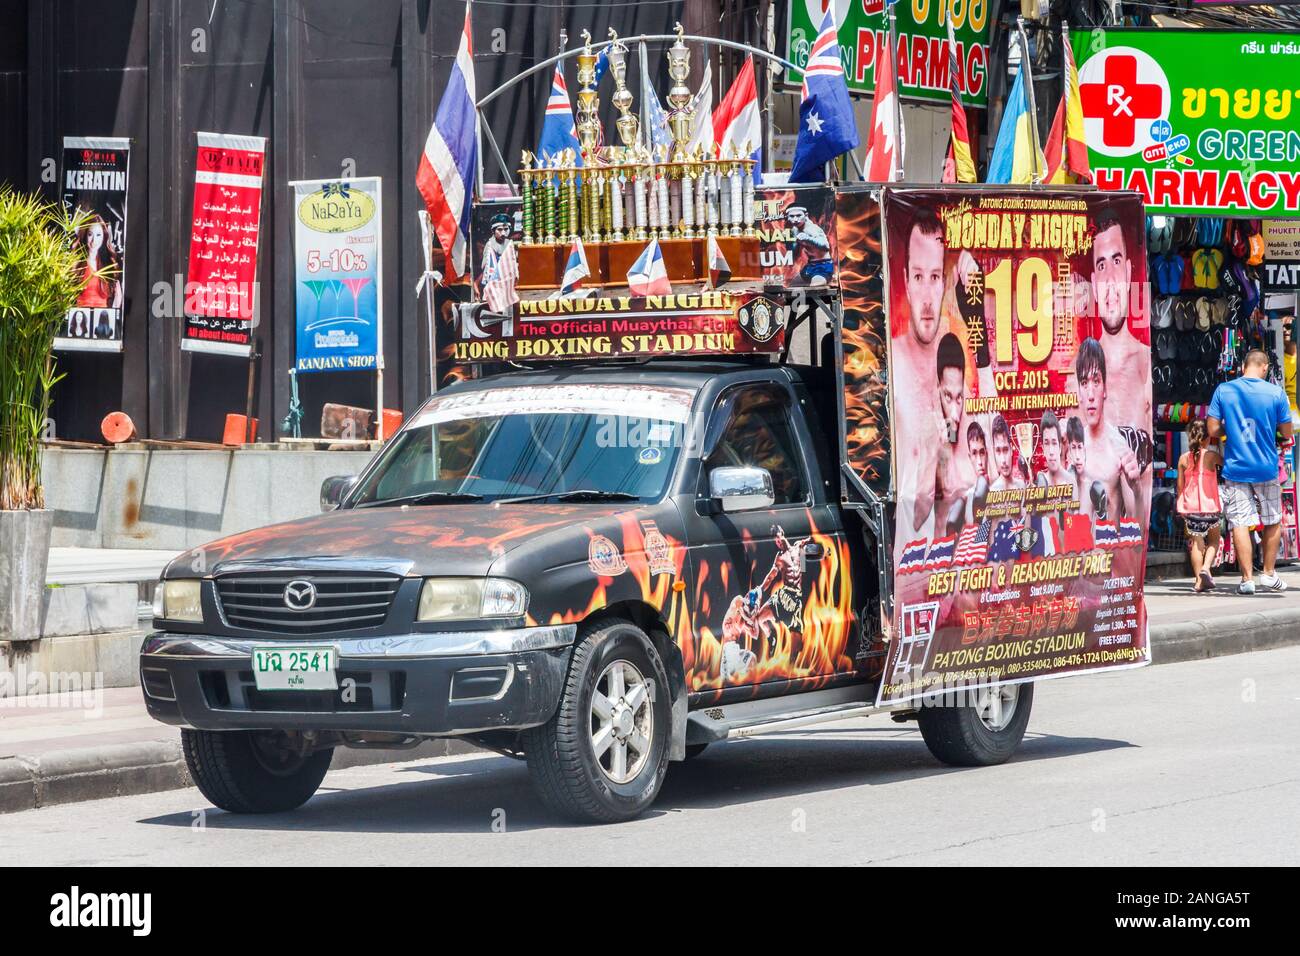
x: 96, y: 142
x: 65, y: 344
x: 219, y: 348
x: 255, y: 144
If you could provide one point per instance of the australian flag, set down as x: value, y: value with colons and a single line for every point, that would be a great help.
x: 826, y: 125
x: 913, y: 558
x: 1005, y: 546
x: 558, y: 130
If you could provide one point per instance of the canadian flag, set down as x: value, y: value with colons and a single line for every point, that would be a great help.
x: 884, y: 137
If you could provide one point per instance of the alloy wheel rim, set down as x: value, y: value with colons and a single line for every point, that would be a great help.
x: 622, y: 721
x: 997, y: 705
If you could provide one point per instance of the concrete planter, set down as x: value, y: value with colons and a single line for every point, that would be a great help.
x: 24, y: 552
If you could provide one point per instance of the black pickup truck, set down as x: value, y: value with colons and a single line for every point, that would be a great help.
x: 599, y: 568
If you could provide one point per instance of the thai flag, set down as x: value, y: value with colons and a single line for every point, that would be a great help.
x: 1130, y: 531
x: 736, y: 120
x: 558, y: 130
x: 1106, y: 534
x: 575, y: 270
x: 940, y: 553
x: 826, y: 124
x: 448, y: 167
x: 719, y: 269
x: 499, y: 281
x: 648, y: 275
x: 913, y: 557
x: 973, y: 544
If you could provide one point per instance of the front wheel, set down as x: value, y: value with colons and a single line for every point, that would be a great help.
x: 253, y: 771
x: 603, y: 756
x: 981, y: 734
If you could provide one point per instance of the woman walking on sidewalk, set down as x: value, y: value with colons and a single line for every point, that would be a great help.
x: 1199, y: 503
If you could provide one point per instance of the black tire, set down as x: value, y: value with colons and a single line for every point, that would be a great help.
x: 562, y: 760
x: 241, y: 771
x: 694, y: 750
x: 956, y: 734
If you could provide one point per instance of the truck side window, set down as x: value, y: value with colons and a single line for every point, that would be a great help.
x: 759, y: 434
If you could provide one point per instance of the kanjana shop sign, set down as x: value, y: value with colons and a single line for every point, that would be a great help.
x: 1200, y: 122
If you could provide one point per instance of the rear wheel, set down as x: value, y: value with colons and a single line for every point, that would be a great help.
x: 253, y: 771
x: 977, y: 734
x: 603, y: 756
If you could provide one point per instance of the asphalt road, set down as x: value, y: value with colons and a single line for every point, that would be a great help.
x: 1194, y: 763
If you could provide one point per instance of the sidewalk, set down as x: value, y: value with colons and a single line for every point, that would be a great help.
x: 61, y: 754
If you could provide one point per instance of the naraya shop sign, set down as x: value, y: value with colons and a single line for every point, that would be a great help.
x: 698, y: 323
x: 922, y: 53
x: 1200, y: 122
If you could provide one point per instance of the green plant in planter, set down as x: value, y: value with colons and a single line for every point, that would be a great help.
x: 40, y: 279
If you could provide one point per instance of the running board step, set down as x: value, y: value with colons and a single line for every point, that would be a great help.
x: 711, y: 724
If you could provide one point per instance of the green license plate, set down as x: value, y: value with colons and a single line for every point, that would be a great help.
x: 295, y: 668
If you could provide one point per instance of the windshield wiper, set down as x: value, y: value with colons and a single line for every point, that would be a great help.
x: 578, y: 494
x: 427, y: 497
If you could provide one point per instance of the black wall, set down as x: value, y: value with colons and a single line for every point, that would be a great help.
x: 326, y: 81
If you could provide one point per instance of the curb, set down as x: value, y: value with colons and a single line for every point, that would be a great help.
x: 120, y: 770
x: 72, y: 776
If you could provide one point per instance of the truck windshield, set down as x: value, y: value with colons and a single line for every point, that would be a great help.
x: 535, y: 443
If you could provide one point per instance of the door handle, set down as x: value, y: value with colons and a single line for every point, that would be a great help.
x: 814, y: 551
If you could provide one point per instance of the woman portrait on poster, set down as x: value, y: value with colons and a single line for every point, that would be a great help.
x: 101, y: 266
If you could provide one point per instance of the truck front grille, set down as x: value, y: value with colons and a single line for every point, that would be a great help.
x: 344, y: 601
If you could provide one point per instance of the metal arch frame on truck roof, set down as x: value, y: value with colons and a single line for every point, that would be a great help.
x: 640, y: 41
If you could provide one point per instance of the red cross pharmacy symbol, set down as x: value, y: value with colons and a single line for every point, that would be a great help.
x: 1119, y: 101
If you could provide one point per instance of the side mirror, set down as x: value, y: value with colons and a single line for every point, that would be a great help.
x: 741, y: 489
x: 334, y: 489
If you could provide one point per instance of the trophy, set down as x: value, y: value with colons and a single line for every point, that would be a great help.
x: 629, y: 127
x: 679, y: 96
x: 1026, y: 440
x: 589, y: 134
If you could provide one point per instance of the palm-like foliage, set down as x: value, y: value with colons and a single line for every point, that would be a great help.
x: 40, y: 279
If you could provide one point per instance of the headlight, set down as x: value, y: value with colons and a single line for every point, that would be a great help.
x: 460, y: 599
x: 178, y: 601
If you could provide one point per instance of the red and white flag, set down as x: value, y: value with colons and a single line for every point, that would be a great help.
x: 884, y: 139
x: 499, y: 281
x: 648, y: 275
x: 719, y: 269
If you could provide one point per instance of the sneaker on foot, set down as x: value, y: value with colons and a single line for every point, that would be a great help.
x: 1271, y: 582
x: 1246, y: 587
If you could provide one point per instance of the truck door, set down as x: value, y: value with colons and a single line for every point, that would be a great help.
x: 771, y: 586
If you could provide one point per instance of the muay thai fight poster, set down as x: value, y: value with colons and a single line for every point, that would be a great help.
x: 796, y: 236
x: 94, y: 178
x: 1019, y: 365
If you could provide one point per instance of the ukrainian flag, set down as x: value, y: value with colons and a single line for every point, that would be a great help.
x: 1014, y: 158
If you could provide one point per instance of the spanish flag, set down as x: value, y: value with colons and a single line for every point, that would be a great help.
x: 960, y: 166
x: 1067, y: 150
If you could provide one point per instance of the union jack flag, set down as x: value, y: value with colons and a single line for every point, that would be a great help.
x: 1106, y: 535
x: 913, y: 558
x: 940, y: 553
x: 973, y: 544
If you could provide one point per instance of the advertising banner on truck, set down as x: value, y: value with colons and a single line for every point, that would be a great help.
x: 1200, y: 122
x: 922, y: 52
x: 338, y: 297
x: 1020, y: 383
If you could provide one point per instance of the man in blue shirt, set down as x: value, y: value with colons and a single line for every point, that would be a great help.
x: 1251, y: 412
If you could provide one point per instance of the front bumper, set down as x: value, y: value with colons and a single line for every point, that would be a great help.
x: 437, y: 684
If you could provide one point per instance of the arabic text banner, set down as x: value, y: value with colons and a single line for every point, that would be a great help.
x: 1019, y: 368
x: 220, y: 291
x: 337, y: 236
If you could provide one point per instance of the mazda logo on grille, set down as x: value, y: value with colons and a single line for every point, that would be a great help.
x: 299, y: 595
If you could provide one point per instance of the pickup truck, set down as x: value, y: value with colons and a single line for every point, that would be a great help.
x: 600, y: 569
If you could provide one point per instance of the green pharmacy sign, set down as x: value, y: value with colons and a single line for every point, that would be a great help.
x: 1200, y: 122
x: 922, y: 51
